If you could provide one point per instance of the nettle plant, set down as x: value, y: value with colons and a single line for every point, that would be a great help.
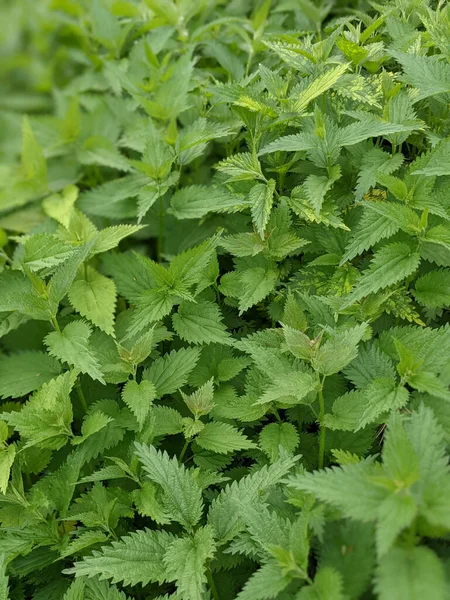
x: 225, y: 269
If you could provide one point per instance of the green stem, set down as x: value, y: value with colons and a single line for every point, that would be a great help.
x: 6, y: 257
x: 183, y: 451
x: 160, y: 242
x: 82, y: 397
x: 56, y: 325
x: 212, y: 585
x: 277, y: 415
x: 323, y: 430
x: 299, y: 420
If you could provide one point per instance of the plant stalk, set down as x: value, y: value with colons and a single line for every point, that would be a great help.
x: 323, y: 431
x: 212, y: 585
x: 160, y: 242
x: 183, y: 451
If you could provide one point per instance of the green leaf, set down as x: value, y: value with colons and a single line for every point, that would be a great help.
x: 93, y: 423
x: 94, y: 297
x: 340, y: 486
x: 33, y: 161
x: 348, y: 410
x: 433, y: 289
x: 428, y: 75
x: 389, y: 265
x: 65, y: 274
x: 135, y: 558
x: 266, y: 583
x: 318, y: 86
x: 111, y: 237
x: 371, y: 229
x: 196, y: 201
x: 257, y: 283
x: 75, y: 591
x: 260, y: 200
x: 25, y: 372
x: 411, y: 573
x: 402, y: 216
x: 339, y: 350
x: 72, y: 346
x: 274, y: 435
x: 139, y: 398
x: 298, y: 343
x: 200, y: 323
x: 226, y: 509
x: 170, y: 372
x: 327, y: 584
x: 396, y: 513
x: 7, y: 456
x: 45, y: 420
x: 381, y: 396
x: 185, y: 561
x: 200, y: 402
x: 241, y: 167
x: 348, y: 547
x: 222, y: 438
x: 4, y: 589
x: 44, y: 251
x: 99, y: 150
x: 182, y: 494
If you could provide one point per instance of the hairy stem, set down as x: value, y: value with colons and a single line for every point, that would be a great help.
x: 55, y: 324
x: 82, y: 397
x: 212, y: 585
x: 160, y: 242
x: 323, y: 431
x: 6, y: 257
x: 183, y: 451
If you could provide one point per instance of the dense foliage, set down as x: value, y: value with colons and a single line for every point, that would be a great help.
x: 224, y: 274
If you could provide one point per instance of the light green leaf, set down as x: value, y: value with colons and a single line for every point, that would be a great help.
x: 257, y: 283
x: 222, y: 438
x: 33, y: 161
x: 45, y: 420
x: 135, y: 558
x: 25, y: 372
x: 7, y: 455
x: 261, y: 200
x: 389, y: 265
x: 4, y: 588
x: 111, y: 237
x: 381, y: 396
x: 196, y: 201
x: 274, y: 435
x: 182, y: 494
x: 318, y: 86
x: 433, y: 289
x: 72, y: 346
x: 339, y: 350
x: 139, y: 398
x: 94, y: 297
x: 170, y: 372
x: 411, y: 574
x: 327, y: 584
x: 185, y: 561
x: 266, y: 583
x: 44, y: 251
x: 200, y: 323
x: 93, y: 422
